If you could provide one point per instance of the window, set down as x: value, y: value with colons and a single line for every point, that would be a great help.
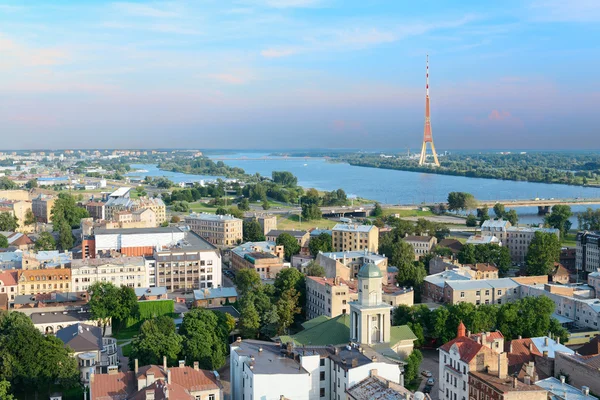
x: 462, y: 294
x: 322, y: 362
x: 322, y: 392
x: 322, y: 376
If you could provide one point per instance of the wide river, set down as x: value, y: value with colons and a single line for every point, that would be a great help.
x: 388, y: 186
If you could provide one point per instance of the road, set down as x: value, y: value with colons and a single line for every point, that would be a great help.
x: 430, y: 363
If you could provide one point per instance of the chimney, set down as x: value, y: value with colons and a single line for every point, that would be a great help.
x: 238, y: 339
x: 149, y: 378
x: 527, y: 380
x: 181, y: 363
x: 546, y: 341
x: 196, y: 365
x: 557, y: 340
x: 520, y: 337
x: 149, y: 394
x: 373, y: 372
x: 531, y: 347
x: 502, y: 366
x: 135, y: 366
x: 562, y: 379
x: 585, y: 390
x: 514, y: 382
x: 374, y: 358
x: 545, y: 353
x: 165, y: 362
x: 510, y: 348
x: 530, y: 368
x: 169, y: 376
x: 354, y: 362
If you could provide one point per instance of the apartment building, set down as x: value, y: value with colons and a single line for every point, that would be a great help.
x: 132, y: 242
x: 346, y: 264
x: 18, y: 208
x: 434, y: 284
x: 37, y: 281
x: 302, y: 237
x: 141, y: 218
x: 220, y: 230
x: 155, y: 204
x: 42, y: 207
x: 266, y: 258
x: 587, y: 256
x: 496, y: 228
x: 120, y: 271
x: 353, y: 237
x: 422, y: 245
x: 267, y: 222
x: 96, y: 210
x: 8, y: 284
x: 187, y: 264
x: 488, y: 291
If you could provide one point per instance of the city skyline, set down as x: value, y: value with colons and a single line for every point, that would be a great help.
x: 254, y: 74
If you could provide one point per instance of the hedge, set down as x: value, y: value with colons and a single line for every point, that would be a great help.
x: 151, y: 309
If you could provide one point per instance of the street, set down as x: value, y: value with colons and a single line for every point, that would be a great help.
x: 430, y: 363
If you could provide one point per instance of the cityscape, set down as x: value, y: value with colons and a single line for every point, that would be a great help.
x: 227, y: 201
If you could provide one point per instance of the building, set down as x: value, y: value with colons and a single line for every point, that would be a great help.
x: 376, y: 387
x: 496, y: 228
x: 583, y: 371
x: 20, y: 209
x: 457, y: 359
x: 302, y: 237
x: 220, y: 230
x: 433, y: 285
x: 187, y: 264
x: 151, y: 293
x: 587, y: 256
x: 422, y: 245
x: 558, y: 389
x: 559, y: 274
x: 346, y: 264
x: 96, y: 210
x: 38, y: 281
x: 267, y: 222
x: 478, y: 239
x: 132, y: 272
x: 488, y: 291
x: 353, y: 237
x: 119, y: 200
x: 50, y: 322
x: 8, y: 284
x: 141, y: 218
x: 439, y: 264
x: 42, y: 207
x: 452, y: 244
x: 157, y: 382
x: 45, y: 259
x: 568, y: 259
x: 266, y: 258
x: 155, y: 204
x: 215, y: 297
x: 19, y: 241
x: 134, y: 242
x: 496, y: 384
x: 94, y: 353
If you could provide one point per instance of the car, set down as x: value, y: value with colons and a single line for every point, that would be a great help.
x: 430, y: 381
x: 426, y: 373
x: 427, y: 389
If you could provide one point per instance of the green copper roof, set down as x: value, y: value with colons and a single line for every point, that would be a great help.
x: 334, y: 331
x: 369, y: 270
x: 399, y: 333
x: 315, y: 321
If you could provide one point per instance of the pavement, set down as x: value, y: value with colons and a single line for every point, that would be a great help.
x: 430, y: 363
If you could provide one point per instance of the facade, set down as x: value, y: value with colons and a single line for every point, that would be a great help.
x: 93, y: 352
x: 489, y: 291
x: 155, y: 204
x: 353, y: 237
x: 302, y: 237
x: 346, y: 264
x: 496, y: 384
x: 433, y: 285
x: 142, y: 218
x: 8, y: 284
x: 157, y: 382
x: 19, y: 209
x: 583, y: 371
x: 265, y: 257
x: 587, y: 256
x: 50, y: 322
x: 187, y: 264
x: 215, y: 297
x: 220, y: 230
x: 267, y: 223
x: 422, y: 245
x: 121, y: 271
x: 42, y: 208
x: 134, y: 242
x: 37, y: 281
x: 96, y: 210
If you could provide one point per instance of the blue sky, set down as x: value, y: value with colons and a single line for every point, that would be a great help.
x: 299, y: 73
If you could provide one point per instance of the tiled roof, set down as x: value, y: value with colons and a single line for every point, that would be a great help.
x: 451, y: 244
x: 489, y: 336
x: 192, y: 379
x: 467, y: 348
x: 520, y: 351
x: 559, y: 270
x: 8, y: 277
x: 591, y: 348
x: 112, y: 386
x: 483, y: 267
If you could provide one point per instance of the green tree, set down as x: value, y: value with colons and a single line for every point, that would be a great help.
x: 66, y: 210
x: 287, y: 309
x: 411, y: 368
x: 235, y: 212
x: 110, y: 302
x: 411, y: 274
x: 3, y: 242
x: 314, y: 269
x: 221, y: 211
x: 311, y: 212
x: 543, y: 252
x: 265, y: 205
x: 499, y: 210
x: 471, y: 220
x: 244, y: 205
x: 5, y: 390
x: 377, y: 210
x: 31, y: 184
x: 247, y: 280
x: 8, y: 222
x: 289, y: 278
x: 559, y: 218
x: 284, y: 178
x: 45, y: 242
x: 65, y: 236
x: 7, y: 184
x: 181, y: 206
x: 467, y: 255
x: 461, y: 201
x: 397, y: 251
x: 252, y: 231
x: 483, y: 214
x: 203, y: 339
x: 29, y: 218
x: 157, y: 339
x: 249, y: 320
x: 321, y: 243
x: 289, y: 243
x: 512, y: 217
x: 443, y: 251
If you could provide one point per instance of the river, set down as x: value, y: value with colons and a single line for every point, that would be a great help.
x: 389, y: 186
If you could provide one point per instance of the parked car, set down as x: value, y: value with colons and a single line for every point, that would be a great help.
x: 431, y: 381
x: 427, y: 389
x: 426, y: 373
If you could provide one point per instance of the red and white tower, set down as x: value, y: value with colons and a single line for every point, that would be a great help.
x: 427, y: 137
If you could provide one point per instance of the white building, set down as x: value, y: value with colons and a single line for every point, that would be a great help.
x: 587, y: 256
x: 137, y: 241
x: 132, y: 272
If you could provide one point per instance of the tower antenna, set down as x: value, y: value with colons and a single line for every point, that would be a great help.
x: 427, y: 136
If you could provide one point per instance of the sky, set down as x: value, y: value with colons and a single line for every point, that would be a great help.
x: 252, y: 74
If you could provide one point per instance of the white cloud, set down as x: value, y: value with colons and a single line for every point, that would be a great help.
x: 143, y: 10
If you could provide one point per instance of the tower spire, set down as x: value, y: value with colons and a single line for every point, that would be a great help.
x: 427, y: 136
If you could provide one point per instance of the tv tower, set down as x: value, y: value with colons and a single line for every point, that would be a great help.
x: 427, y: 137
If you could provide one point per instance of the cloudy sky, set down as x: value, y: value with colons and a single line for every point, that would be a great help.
x: 299, y: 73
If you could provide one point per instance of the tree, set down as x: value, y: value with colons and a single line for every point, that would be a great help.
x: 8, y: 222
x: 247, y: 280
x: 3, y: 242
x: 249, y: 320
x: 311, y: 212
x: 287, y: 308
x: 157, y: 339
x: 289, y: 243
x: 466, y: 255
x: 289, y: 278
x: 7, y: 184
x: 411, y: 368
x: 175, y: 219
x: 512, y: 217
x: 65, y: 236
x: 110, y: 302
x: 244, y: 205
x: 29, y: 218
x: 321, y: 243
x: 252, y: 231
x: 559, y: 218
x: 589, y: 220
x: 314, y: 269
x: 483, y: 214
x: 543, y: 252
x: 266, y: 205
x: 181, y: 206
x: 486, y: 253
x: 443, y: 251
x: 221, y: 211
x: 471, y: 220
x: 163, y: 183
x: 45, y: 242
x: 461, y: 201
x: 284, y: 178
x: 377, y: 210
x: 411, y: 274
x: 204, y: 340
x: 5, y: 390
x: 31, y: 184
x: 398, y: 252
x: 499, y: 210
x: 66, y: 210
x: 127, y: 305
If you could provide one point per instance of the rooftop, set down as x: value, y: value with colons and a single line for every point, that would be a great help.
x: 440, y: 278
x: 215, y: 293
x: 150, y: 291
x: 55, y: 317
x: 467, y: 348
x: 353, y: 228
x: 504, y: 385
x: 294, y: 233
x: 340, y: 255
x: 495, y: 224
x: 546, y: 344
x: 413, y: 238
x: 477, y: 239
x: 211, y: 217
x: 250, y: 247
x: 376, y: 388
x: 563, y: 391
x: 334, y: 331
x: 81, y: 337
x: 136, y: 231
x: 267, y: 358
x: 94, y: 262
x: 120, y: 192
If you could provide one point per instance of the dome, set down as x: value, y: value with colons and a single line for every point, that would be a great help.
x: 369, y: 270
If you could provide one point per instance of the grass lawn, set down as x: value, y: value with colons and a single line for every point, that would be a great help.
x: 127, y: 333
x: 570, y: 240
x: 406, y: 213
x: 293, y: 222
x: 126, y: 350
x: 461, y: 239
x: 201, y: 207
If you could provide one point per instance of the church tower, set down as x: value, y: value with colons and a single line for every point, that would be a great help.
x: 370, y: 316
